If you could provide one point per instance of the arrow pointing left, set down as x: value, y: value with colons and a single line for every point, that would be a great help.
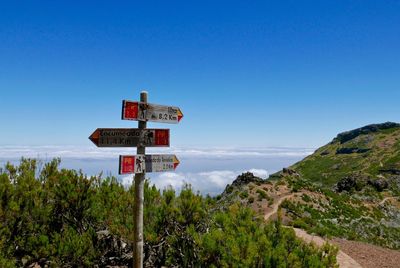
x: 130, y: 137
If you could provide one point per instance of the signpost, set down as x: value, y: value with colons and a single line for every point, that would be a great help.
x: 129, y: 164
x: 140, y: 111
x: 130, y: 137
x: 141, y: 163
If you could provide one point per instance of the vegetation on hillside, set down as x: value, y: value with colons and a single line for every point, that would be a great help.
x: 341, y: 215
x: 369, y: 153
x: 349, y: 188
x: 356, y: 179
x: 61, y: 218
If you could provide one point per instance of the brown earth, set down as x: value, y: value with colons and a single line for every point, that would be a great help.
x: 369, y: 256
x: 352, y: 254
x: 344, y: 260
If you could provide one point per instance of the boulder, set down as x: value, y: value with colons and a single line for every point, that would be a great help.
x: 357, y: 183
x: 379, y: 184
x: 289, y: 171
x: 350, y: 183
x: 116, y: 252
x: 246, y: 178
x: 345, y: 184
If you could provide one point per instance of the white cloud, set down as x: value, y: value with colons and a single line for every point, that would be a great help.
x: 127, y: 180
x: 217, y: 178
x: 92, y: 152
x: 173, y: 179
x: 223, y: 152
x: 208, y: 170
x: 210, y: 182
x: 262, y: 173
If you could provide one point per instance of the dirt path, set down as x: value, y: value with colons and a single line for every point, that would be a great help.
x: 275, y: 206
x: 369, y: 256
x: 386, y: 198
x: 344, y: 260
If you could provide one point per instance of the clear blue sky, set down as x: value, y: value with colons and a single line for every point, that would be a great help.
x: 248, y: 73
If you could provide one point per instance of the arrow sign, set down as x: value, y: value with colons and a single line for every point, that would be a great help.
x: 140, y: 111
x: 129, y: 164
x: 130, y: 137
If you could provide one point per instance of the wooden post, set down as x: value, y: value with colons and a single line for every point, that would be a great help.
x: 139, y: 199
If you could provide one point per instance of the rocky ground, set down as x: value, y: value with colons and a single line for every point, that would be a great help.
x: 351, y: 254
x: 369, y: 256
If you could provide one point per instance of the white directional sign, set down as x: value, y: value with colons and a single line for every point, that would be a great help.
x: 161, y: 162
x: 147, y: 163
x: 140, y: 111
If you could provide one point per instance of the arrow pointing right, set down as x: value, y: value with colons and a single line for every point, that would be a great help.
x: 129, y: 164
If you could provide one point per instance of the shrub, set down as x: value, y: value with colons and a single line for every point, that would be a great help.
x: 261, y: 194
x: 56, y: 215
x: 305, y: 198
x: 244, y: 195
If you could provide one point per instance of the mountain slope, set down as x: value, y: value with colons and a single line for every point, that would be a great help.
x: 357, y: 176
x: 370, y: 154
x: 349, y: 188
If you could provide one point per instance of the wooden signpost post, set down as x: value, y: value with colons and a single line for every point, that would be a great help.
x: 141, y: 163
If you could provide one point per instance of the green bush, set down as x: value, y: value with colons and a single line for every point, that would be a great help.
x: 305, y: 198
x: 261, y: 194
x: 243, y: 241
x: 244, y: 194
x: 56, y: 214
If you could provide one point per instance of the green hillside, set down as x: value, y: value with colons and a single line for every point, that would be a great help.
x: 350, y: 187
x: 368, y: 154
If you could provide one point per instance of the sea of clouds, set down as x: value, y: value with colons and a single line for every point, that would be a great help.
x: 207, y: 169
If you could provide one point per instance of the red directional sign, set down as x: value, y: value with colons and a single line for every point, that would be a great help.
x: 129, y: 164
x: 130, y: 137
x: 140, y: 111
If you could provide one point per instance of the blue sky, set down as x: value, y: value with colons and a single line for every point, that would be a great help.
x: 245, y: 73
x: 271, y: 73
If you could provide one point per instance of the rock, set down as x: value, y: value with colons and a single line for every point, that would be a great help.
x: 116, y: 252
x: 345, y: 184
x: 357, y: 183
x: 336, y: 166
x: 325, y: 153
x: 246, y: 178
x: 102, y: 234
x: 350, y: 183
x: 379, y: 184
x: 393, y: 171
x: 349, y: 135
x: 352, y: 150
x: 24, y: 261
x: 289, y: 171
